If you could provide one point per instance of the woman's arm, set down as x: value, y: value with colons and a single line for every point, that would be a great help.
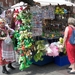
x: 65, y: 35
x: 2, y: 38
x: 10, y: 29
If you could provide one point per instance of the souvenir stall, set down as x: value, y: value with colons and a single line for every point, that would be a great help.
x: 35, y: 29
x: 37, y: 32
x: 54, y: 20
x: 25, y: 44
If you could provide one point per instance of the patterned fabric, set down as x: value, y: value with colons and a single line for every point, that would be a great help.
x: 2, y: 62
x: 7, y: 53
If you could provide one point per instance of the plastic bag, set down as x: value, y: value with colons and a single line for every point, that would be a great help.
x: 8, y: 40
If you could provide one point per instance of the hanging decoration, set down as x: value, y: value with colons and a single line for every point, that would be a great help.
x: 60, y: 11
x: 36, y: 20
x: 48, y: 12
x: 24, y: 39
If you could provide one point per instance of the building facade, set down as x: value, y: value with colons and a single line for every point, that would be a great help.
x: 7, y: 3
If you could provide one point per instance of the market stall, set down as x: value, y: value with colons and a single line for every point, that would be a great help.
x: 31, y: 23
x: 54, y: 21
x: 24, y: 41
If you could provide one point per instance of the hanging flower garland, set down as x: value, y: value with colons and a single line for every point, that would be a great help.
x: 24, y: 39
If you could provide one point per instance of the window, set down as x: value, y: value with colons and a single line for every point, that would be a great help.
x: 10, y: 4
x: 6, y: 1
x: 1, y: 4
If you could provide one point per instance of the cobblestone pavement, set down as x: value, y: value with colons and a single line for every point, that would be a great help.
x: 49, y: 69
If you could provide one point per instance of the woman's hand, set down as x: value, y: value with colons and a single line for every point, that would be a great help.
x: 2, y: 38
x: 61, y: 46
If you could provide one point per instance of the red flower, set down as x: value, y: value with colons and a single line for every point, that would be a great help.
x: 23, y: 48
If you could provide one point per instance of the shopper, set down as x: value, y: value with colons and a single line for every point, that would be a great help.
x: 7, y: 54
x: 69, y: 47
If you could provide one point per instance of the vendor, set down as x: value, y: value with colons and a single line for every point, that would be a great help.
x: 5, y: 50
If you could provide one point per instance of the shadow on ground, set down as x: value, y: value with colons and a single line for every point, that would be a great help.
x: 40, y: 70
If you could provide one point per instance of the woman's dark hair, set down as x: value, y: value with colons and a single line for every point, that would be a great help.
x: 1, y: 10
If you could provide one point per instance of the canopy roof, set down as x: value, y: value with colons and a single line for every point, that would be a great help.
x: 54, y: 2
x: 18, y: 4
x: 47, y: 2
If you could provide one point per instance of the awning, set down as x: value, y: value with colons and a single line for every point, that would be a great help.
x: 18, y: 4
x: 54, y: 2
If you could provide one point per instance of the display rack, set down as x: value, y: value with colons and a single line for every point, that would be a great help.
x: 55, y: 27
